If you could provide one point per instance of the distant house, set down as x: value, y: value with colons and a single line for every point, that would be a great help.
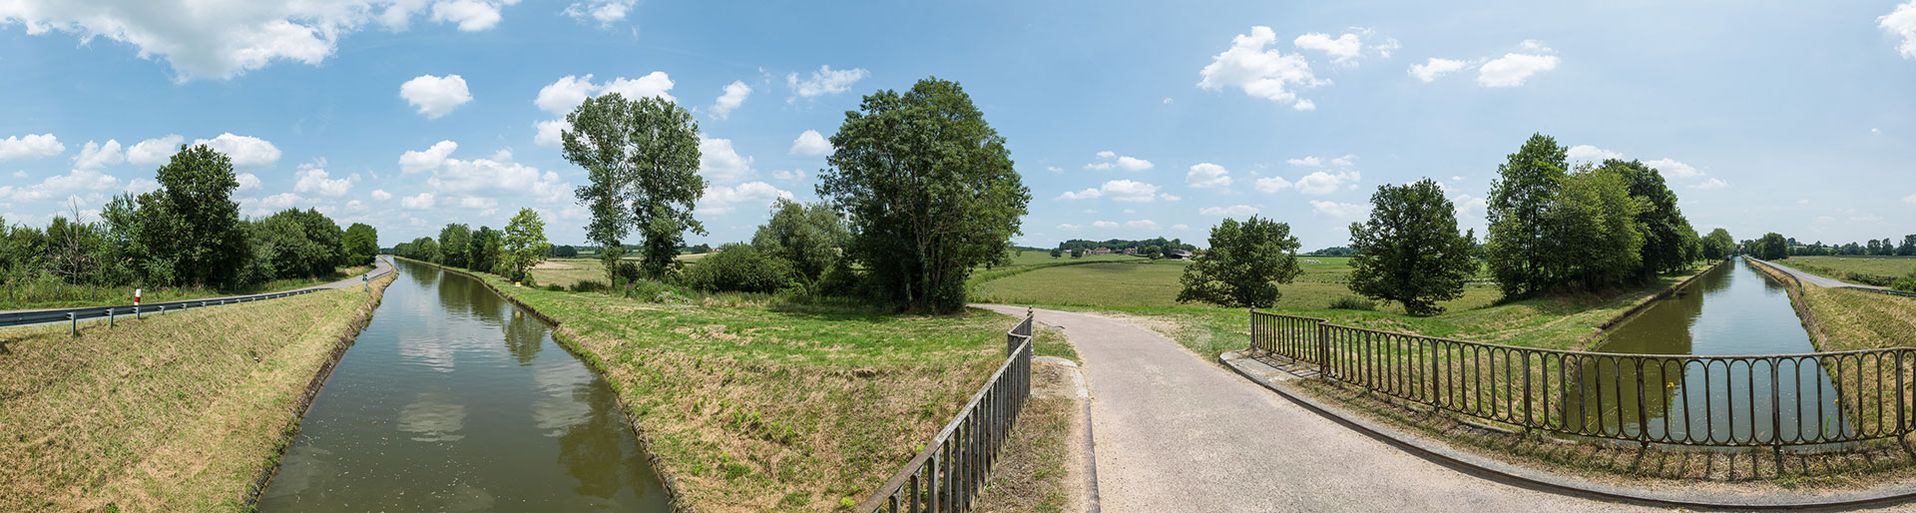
x: 1133, y: 251
x: 1100, y: 251
x: 1178, y: 255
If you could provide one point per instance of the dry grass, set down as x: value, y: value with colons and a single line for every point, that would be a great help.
x: 1036, y: 471
x: 178, y: 412
x: 1853, y: 319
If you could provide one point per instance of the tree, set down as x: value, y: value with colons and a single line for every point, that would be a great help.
x: 361, y: 244
x: 454, y: 243
x: 1908, y: 248
x: 1593, y: 241
x: 1718, y: 244
x: 739, y: 268
x: 1055, y: 252
x: 482, y: 251
x: 806, y: 236
x: 642, y: 160
x: 1519, y: 200
x: 566, y: 251
x: 929, y: 189
x: 1669, y: 243
x: 1246, y: 263
x: 1773, y: 247
x: 1409, y: 251
x: 525, y: 244
x: 190, y: 227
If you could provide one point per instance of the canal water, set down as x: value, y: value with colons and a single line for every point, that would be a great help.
x: 454, y: 399
x: 1730, y: 310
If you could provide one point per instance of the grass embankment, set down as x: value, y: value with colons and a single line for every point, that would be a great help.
x: 1854, y: 319
x: 750, y: 404
x: 1037, y: 470
x: 176, y: 412
x: 1881, y: 271
x: 1150, y: 292
x: 56, y: 294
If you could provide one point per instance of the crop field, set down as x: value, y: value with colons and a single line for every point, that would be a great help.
x: 1868, y: 270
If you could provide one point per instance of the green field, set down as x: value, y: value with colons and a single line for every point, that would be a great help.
x: 1137, y: 282
x: 1868, y: 270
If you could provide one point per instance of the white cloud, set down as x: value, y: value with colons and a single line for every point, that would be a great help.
x: 478, y: 203
x: 1910, y: 199
x: 270, y: 204
x: 200, y: 39
x: 1207, y: 175
x: 605, y: 12
x: 1103, y: 224
x: 1435, y: 67
x: 550, y: 133
x: 824, y: 81
x: 1272, y: 184
x: 811, y: 144
x: 1230, y: 211
x: 154, y: 151
x: 1119, y: 190
x: 1304, y: 105
x: 247, y: 181
x: 1305, y: 161
x: 421, y: 201
x: 76, y: 180
x: 1342, y: 49
x: 1108, y: 159
x: 95, y: 156
x: 1321, y: 182
x: 1068, y: 226
x: 1259, y: 71
x: 566, y: 93
x: 789, y: 175
x: 718, y: 162
x: 1180, y: 227
x: 1513, y: 69
x: 1674, y: 169
x: 381, y: 195
x: 1592, y: 153
x: 721, y: 200
x: 497, y: 174
x: 246, y: 151
x: 1142, y: 223
x: 430, y: 159
x: 313, y: 178
x: 734, y: 96
x: 139, y: 186
x: 1470, y: 207
x: 30, y: 145
x: 1340, y: 211
x: 435, y: 96
x: 1902, y: 23
x: 1712, y: 183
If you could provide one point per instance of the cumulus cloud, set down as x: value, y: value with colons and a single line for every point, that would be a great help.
x: 1259, y: 71
x: 566, y: 93
x: 1321, y: 182
x: 421, y: 201
x: 1435, y: 67
x: 722, y: 200
x: 221, y: 41
x: 1513, y: 69
x: 1104, y: 224
x: 550, y: 133
x: 734, y: 96
x: 247, y: 181
x: 604, y: 12
x: 57, y: 186
x: 811, y: 144
x: 1305, y: 161
x: 719, y: 162
x: 1910, y: 199
x: 1230, y: 211
x: 1272, y: 184
x: 30, y: 145
x: 1118, y: 190
x: 95, y: 156
x: 1207, y: 175
x: 154, y: 151
x: 427, y: 160
x: 497, y: 174
x: 1711, y: 183
x: 1341, y: 49
x: 1592, y: 153
x: 313, y: 179
x: 1108, y: 159
x: 246, y: 151
x: 1340, y: 211
x: 1902, y: 23
x: 1142, y: 223
x: 381, y: 195
x: 823, y: 82
x: 435, y: 96
x: 1674, y: 169
x: 789, y: 175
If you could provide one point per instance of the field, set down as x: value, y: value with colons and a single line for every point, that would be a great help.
x: 1144, y: 283
x: 53, y: 294
x: 754, y: 405
x: 177, y: 412
x: 1853, y: 319
x: 1877, y: 270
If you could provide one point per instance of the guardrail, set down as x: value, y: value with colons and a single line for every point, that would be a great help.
x: 949, y: 473
x: 75, y: 315
x: 1719, y: 401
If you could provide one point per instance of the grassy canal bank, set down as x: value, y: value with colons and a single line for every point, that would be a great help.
x: 33, y: 295
x: 750, y: 403
x: 176, y: 412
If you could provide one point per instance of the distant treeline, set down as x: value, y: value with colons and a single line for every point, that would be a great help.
x: 1152, y: 248
x: 1884, y: 247
x: 509, y: 253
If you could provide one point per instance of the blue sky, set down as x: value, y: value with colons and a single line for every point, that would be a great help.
x: 1126, y: 119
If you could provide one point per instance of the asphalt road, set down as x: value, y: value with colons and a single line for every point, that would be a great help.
x: 1817, y: 280
x: 14, y: 318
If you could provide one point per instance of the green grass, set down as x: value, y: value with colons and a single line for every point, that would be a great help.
x: 51, y: 293
x: 1854, y: 319
x: 1870, y: 270
x: 752, y: 404
x: 176, y: 412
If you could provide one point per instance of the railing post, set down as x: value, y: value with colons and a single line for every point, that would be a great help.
x: 75, y: 320
x: 1323, y: 350
x: 109, y: 316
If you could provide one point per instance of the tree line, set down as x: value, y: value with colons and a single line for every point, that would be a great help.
x: 186, y: 233
x: 510, y: 253
x: 1554, y: 228
x: 1149, y: 248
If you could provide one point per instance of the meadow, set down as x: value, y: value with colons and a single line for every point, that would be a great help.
x: 176, y: 412
x: 1881, y: 271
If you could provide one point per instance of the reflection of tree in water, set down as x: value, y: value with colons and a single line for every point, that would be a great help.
x: 1605, y: 398
x: 457, y: 292
x: 421, y: 275
x: 525, y: 335
x: 594, y: 450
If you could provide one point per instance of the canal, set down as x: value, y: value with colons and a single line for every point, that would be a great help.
x: 1730, y: 310
x: 454, y: 399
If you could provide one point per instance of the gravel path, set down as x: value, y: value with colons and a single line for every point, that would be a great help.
x: 1177, y: 433
x: 1817, y: 280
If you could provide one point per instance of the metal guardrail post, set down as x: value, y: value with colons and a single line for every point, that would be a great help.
x: 109, y: 316
x: 136, y: 313
x: 75, y: 320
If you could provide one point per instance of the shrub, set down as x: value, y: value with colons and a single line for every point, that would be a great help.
x: 1352, y: 303
x: 554, y: 287
x: 738, y: 268
x: 1907, y: 283
x: 588, y: 286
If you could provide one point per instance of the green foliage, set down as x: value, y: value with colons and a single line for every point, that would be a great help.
x: 482, y: 252
x: 1669, y: 243
x: 361, y: 244
x: 295, y: 244
x: 1519, y: 202
x: 739, y: 268
x: 454, y: 243
x: 1718, y: 245
x: 1409, y: 251
x: 188, y: 232
x: 423, y: 248
x: 1592, y: 238
x: 806, y: 236
x: 1771, y: 247
x: 930, y: 191
x: 1244, y: 266
x: 525, y: 244
x: 566, y: 251
x: 642, y: 160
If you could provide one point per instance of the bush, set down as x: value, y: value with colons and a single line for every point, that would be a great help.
x: 554, y: 287
x: 655, y: 291
x: 589, y: 286
x: 738, y: 268
x: 1352, y: 303
x: 1907, y: 283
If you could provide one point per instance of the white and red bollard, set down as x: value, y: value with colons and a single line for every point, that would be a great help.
x: 136, y: 303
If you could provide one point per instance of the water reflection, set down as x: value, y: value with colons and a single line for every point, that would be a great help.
x: 452, y: 401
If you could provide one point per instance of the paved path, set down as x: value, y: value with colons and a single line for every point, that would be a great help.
x: 1817, y: 280
x: 1177, y: 433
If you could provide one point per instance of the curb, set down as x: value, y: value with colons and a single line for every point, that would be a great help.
x: 1090, y: 469
x: 1553, y: 483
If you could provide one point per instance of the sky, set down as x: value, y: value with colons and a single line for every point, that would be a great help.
x: 1125, y: 119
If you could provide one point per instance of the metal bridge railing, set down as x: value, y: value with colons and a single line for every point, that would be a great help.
x: 948, y: 475
x: 1720, y: 401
